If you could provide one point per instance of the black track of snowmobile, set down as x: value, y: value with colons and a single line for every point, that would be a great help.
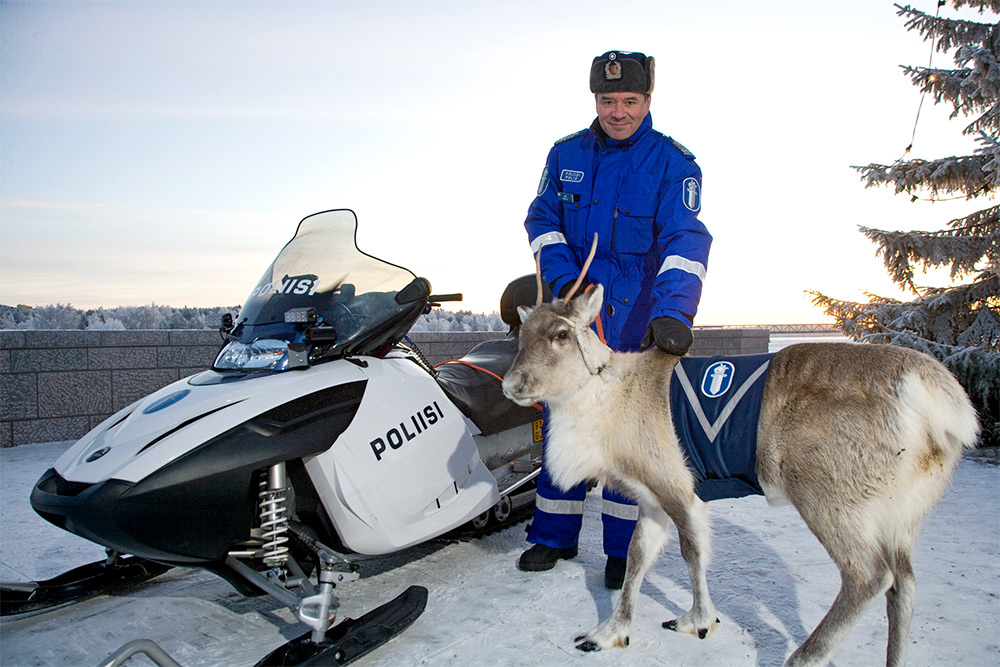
x: 467, y: 532
x: 353, y: 637
x: 77, y: 584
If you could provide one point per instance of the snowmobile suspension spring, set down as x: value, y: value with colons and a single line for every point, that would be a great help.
x: 273, y: 515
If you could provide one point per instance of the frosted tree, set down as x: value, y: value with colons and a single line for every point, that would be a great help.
x: 959, y: 324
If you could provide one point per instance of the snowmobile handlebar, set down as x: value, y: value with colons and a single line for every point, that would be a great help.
x: 434, y: 299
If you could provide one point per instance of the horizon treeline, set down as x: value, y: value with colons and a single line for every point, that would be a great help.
x: 64, y: 317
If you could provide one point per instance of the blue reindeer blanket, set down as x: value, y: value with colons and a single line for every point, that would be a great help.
x: 715, y: 404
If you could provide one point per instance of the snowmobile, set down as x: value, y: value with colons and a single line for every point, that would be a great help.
x: 320, y: 431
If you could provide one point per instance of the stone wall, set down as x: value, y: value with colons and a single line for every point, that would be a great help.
x: 57, y: 385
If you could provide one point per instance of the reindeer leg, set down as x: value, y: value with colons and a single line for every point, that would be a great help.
x: 647, y: 542
x: 694, y: 535
x: 899, y: 608
x: 860, y: 585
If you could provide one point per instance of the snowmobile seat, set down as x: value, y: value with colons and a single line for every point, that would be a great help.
x: 473, y: 382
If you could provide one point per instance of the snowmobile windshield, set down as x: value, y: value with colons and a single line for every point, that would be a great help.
x: 325, y: 297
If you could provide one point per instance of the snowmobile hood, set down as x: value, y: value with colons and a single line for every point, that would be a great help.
x: 169, y: 423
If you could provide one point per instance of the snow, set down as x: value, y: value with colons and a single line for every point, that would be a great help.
x: 770, y: 579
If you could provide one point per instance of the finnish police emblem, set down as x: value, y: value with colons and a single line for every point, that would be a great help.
x: 570, y: 176
x: 691, y: 194
x: 717, y: 379
x: 544, y: 182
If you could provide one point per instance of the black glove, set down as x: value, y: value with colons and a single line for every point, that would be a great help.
x: 670, y: 335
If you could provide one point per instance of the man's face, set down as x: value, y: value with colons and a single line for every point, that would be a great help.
x: 620, y: 114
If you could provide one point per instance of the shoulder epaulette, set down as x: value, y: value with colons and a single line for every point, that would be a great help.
x: 571, y: 136
x: 679, y: 146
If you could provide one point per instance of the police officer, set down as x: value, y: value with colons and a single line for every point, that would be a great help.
x: 640, y: 191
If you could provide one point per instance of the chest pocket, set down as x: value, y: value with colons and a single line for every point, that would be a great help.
x: 575, y: 202
x: 633, y: 232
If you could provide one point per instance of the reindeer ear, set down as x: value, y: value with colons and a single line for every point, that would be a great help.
x: 523, y: 312
x: 587, y: 306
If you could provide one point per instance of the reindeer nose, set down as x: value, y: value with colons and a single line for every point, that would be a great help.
x: 512, y: 384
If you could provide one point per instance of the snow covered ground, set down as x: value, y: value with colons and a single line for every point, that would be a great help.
x: 770, y: 579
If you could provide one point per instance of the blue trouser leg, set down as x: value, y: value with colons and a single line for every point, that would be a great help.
x: 619, y: 515
x: 558, y: 513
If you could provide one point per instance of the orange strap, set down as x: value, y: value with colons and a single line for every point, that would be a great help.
x: 466, y: 363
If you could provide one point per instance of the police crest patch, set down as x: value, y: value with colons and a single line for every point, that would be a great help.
x: 717, y: 379
x: 542, y: 184
x: 691, y: 194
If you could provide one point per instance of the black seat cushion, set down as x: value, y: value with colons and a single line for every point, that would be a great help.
x: 478, y: 394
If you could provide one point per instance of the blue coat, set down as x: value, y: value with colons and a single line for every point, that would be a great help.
x: 642, y: 198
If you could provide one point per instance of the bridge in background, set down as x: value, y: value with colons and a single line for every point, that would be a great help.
x: 783, y: 328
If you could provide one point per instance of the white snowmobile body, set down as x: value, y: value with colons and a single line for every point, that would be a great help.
x: 404, y: 470
x: 312, y: 377
x: 316, y: 433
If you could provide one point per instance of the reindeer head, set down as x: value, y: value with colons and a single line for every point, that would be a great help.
x: 558, y: 351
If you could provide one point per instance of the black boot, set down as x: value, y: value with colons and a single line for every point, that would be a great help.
x: 541, y: 557
x: 614, y: 572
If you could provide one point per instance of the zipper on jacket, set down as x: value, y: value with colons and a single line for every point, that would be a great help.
x: 614, y: 224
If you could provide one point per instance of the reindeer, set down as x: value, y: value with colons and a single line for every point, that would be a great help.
x: 861, y: 439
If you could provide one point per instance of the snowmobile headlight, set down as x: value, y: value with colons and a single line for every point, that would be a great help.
x: 261, y: 355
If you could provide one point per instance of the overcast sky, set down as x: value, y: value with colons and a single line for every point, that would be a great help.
x: 155, y: 151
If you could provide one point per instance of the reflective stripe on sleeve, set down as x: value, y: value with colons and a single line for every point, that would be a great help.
x: 546, y: 239
x: 620, y: 510
x: 684, y: 264
x: 559, y: 506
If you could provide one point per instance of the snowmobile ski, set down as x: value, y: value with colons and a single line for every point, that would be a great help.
x: 86, y: 581
x: 353, y: 637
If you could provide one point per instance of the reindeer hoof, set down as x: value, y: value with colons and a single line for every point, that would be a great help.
x: 701, y: 632
x: 588, y: 647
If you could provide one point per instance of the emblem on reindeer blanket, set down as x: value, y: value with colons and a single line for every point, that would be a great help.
x: 715, y: 404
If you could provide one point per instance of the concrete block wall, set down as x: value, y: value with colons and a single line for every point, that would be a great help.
x: 712, y: 341
x: 438, y: 346
x: 57, y: 385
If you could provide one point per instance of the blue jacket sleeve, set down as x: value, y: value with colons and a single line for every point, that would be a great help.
x: 684, y: 243
x: 545, y: 226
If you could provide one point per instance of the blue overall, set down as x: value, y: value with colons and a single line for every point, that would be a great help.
x: 641, y: 197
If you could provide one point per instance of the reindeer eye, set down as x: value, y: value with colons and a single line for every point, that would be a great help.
x: 562, y: 335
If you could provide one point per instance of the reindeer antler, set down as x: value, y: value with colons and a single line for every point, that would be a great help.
x: 583, y: 272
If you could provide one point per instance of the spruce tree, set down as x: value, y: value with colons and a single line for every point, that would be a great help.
x: 960, y: 323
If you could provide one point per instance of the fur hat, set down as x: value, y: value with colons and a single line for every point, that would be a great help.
x: 622, y: 72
